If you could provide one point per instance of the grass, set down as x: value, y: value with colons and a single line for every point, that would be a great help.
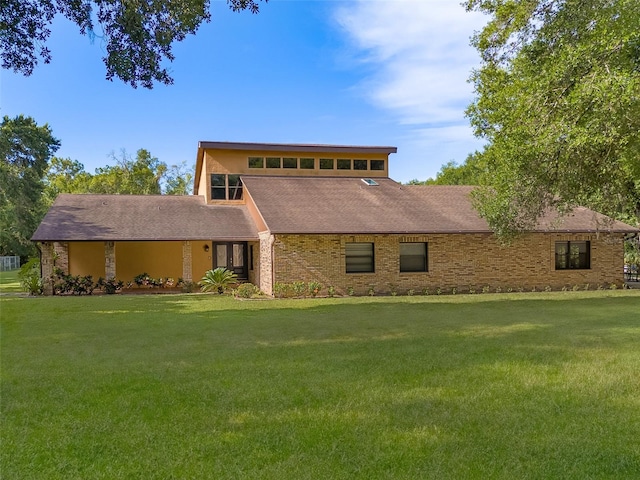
x: 527, y: 386
x: 9, y: 282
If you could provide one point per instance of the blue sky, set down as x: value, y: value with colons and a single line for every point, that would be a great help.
x: 356, y: 72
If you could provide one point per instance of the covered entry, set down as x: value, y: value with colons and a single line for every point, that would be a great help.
x: 232, y: 256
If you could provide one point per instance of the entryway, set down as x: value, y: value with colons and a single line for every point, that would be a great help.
x: 232, y: 256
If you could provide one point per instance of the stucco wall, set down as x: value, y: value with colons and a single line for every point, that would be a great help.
x: 158, y: 259
x: 87, y: 258
x: 462, y: 261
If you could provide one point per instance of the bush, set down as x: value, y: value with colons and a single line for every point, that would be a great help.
x: 246, y: 290
x: 110, y: 286
x: 75, y: 285
x: 218, y: 280
x: 314, y: 288
x: 29, y: 277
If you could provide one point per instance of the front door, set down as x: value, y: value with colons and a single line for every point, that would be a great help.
x: 232, y: 256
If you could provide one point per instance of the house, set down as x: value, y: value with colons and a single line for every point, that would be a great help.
x: 280, y: 213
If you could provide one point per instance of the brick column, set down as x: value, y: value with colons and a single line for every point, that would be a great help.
x: 187, y: 272
x: 109, y: 260
x: 61, y: 256
x: 266, y: 262
x: 46, y: 267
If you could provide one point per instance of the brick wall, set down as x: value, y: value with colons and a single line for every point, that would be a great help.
x: 463, y: 261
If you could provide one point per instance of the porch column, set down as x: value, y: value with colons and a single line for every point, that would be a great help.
x: 109, y: 260
x: 266, y: 261
x: 61, y: 256
x: 187, y: 272
x: 46, y: 267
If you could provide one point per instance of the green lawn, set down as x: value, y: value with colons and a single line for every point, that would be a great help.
x: 513, y: 386
x: 9, y: 282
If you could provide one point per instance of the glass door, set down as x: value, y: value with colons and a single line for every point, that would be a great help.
x: 232, y: 256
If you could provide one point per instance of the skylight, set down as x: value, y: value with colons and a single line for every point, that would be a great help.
x: 369, y: 181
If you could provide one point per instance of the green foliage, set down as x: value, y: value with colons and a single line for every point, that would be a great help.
x: 138, y: 36
x: 73, y: 284
x: 299, y: 289
x: 143, y: 174
x: 219, y: 280
x: 110, y: 286
x: 281, y: 290
x: 313, y: 288
x: 471, y: 172
x: 558, y: 101
x: 29, y: 277
x: 25, y: 149
x: 246, y: 290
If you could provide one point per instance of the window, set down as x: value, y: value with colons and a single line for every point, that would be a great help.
x: 307, y: 163
x: 218, y: 187
x: 226, y: 187
x: 413, y: 257
x: 256, y: 162
x: 273, y: 162
x: 377, y: 164
x: 326, y: 164
x: 235, y: 187
x: 573, y: 255
x: 359, y: 164
x: 344, y: 164
x: 289, y: 162
x: 359, y: 257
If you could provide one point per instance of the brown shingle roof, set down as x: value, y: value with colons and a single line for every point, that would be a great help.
x: 143, y: 217
x: 349, y: 206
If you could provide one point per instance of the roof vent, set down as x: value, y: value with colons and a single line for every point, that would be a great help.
x: 369, y: 181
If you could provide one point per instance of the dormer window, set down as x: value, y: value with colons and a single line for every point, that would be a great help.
x: 226, y: 187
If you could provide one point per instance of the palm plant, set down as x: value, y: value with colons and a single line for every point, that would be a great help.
x: 219, y: 279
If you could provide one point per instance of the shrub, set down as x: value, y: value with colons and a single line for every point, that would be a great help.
x: 110, y: 286
x: 75, y: 285
x: 280, y: 289
x: 314, y: 288
x: 299, y: 289
x: 350, y: 291
x: 246, y: 290
x: 218, y: 280
x: 29, y: 277
x: 331, y: 290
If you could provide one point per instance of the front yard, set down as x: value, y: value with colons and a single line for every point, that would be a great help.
x: 505, y: 386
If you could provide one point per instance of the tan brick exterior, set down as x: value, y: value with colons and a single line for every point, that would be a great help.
x: 266, y: 262
x: 463, y: 261
x: 109, y: 260
x: 187, y: 262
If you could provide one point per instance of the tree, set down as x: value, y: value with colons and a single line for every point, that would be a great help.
x: 558, y: 101
x: 451, y: 173
x: 179, y: 180
x: 141, y: 175
x: 25, y: 149
x: 139, y: 35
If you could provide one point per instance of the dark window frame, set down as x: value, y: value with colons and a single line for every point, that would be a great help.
x: 359, y: 164
x: 360, y: 259
x: 411, y: 260
x: 376, y: 165
x: 567, y: 258
x: 305, y: 162
x: 226, y: 186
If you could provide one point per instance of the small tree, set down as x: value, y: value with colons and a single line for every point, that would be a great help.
x: 219, y: 279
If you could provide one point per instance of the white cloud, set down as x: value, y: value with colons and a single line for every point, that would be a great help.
x: 419, y: 59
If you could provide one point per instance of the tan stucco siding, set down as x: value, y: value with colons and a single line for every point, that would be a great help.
x: 158, y: 259
x: 87, y: 258
x: 202, y: 260
x: 463, y: 261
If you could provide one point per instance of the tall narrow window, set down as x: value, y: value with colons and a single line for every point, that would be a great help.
x: 218, y: 186
x: 413, y: 257
x: 573, y: 255
x: 359, y: 257
x: 235, y: 187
